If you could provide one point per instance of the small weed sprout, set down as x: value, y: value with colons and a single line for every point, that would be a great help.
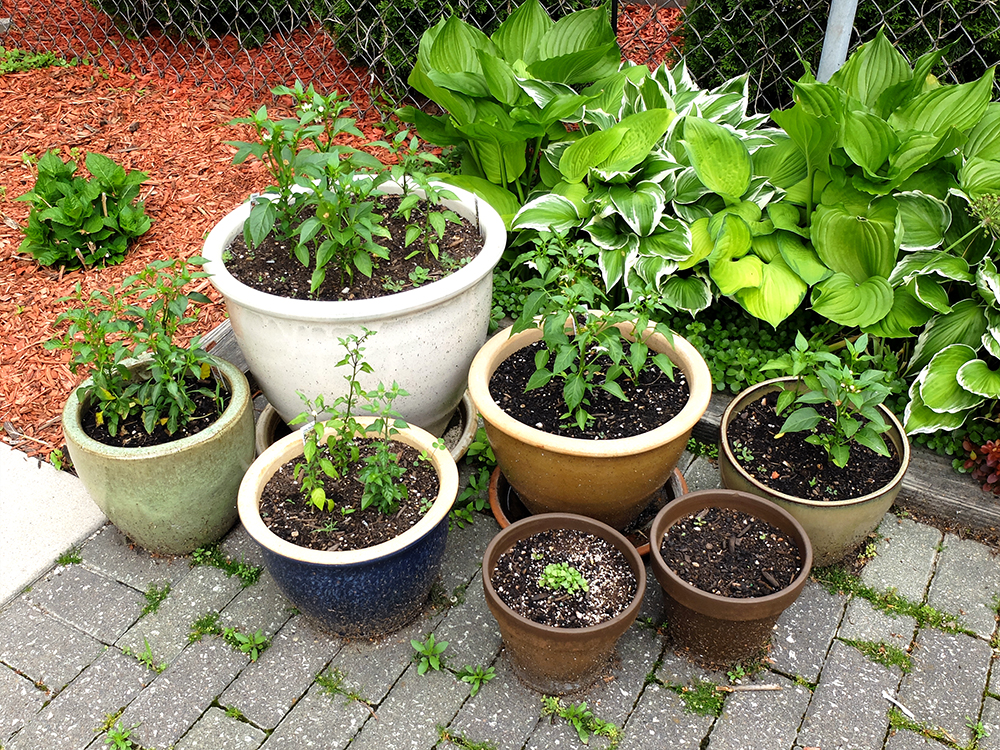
x: 563, y: 576
x: 118, y: 736
x: 154, y: 598
x: 428, y: 653
x: 476, y: 677
x: 253, y: 644
x: 582, y: 719
x: 146, y: 658
x: 70, y: 557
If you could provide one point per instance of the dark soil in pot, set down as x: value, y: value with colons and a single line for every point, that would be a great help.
x: 731, y: 553
x: 800, y: 469
x: 272, y: 268
x: 654, y: 399
x: 132, y: 433
x: 287, y: 514
x: 611, y: 585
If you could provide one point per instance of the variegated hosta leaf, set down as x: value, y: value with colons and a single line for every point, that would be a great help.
x: 641, y: 206
x: 692, y: 212
x: 840, y: 299
x: 670, y: 240
x: 930, y: 262
x: 692, y: 294
x: 991, y: 339
x: 979, y: 176
x: 965, y: 324
x: 549, y: 213
x: 931, y: 293
x: 605, y: 235
x: 922, y: 220
x: 778, y: 296
x: 859, y: 243
x: 917, y: 418
x: 988, y: 282
x: 577, y: 194
x: 689, y: 187
x: 939, y: 386
x: 977, y: 377
x: 613, y: 264
x: 907, y: 313
x: 651, y: 268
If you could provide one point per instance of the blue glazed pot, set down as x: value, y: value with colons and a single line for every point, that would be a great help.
x: 367, y: 592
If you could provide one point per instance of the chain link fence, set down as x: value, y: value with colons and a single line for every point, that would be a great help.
x: 365, y: 48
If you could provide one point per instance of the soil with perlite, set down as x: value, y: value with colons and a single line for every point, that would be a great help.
x: 611, y: 585
x: 791, y: 465
x: 731, y: 553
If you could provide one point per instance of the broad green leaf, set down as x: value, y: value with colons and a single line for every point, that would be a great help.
x: 868, y: 140
x: 873, y: 68
x: 104, y: 169
x: 643, y: 131
x: 984, y: 139
x: 519, y: 35
x: 801, y: 259
x: 930, y: 262
x: 577, y: 194
x: 640, y: 207
x: 922, y: 220
x: 612, y: 265
x: 783, y: 164
x: 988, y: 282
x: 939, y: 386
x: 786, y: 216
x: 977, y: 377
x: 580, y: 67
x: 861, y: 244
x: 931, y: 292
x: 504, y: 201
x: 917, y: 418
x: 965, y: 324
x: 732, y: 241
x: 702, y: 244
x: 848, y: 303
x: 691, y: 294
x: 548, y: 213
x: 455, y: 48
x: 959, y: 106
x: 588, y: 152
x: 470, y: 84
x: 671, y: 240
x: 718, y: 156
x: 575, y: 33
x: 732, y: 275
x: 918, y: 150
x: 979, y: 177
x: 907, y: 313
x: 500, y: 80
x: 778, y: 296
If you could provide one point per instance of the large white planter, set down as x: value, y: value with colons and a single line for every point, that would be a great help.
x: 425, y: 338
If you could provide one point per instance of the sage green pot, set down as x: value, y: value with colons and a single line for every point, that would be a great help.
x: 172, y: 498
x: 835, y: 527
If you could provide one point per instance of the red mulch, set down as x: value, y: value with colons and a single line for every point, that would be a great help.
x: 173, y: 130
x: 646, y: 34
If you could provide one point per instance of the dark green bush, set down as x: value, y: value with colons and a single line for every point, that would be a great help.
x: 725, y: 38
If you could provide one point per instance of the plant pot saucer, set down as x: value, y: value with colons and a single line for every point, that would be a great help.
x: 507, y: 507
x: 458, y: 435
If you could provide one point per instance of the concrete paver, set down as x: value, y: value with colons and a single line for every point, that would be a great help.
x: 804, y: 631
x: 905, y: 558
x: 764, y: 719
x: 19, y: 701
x: 967, y: 584
x: 217, y: 731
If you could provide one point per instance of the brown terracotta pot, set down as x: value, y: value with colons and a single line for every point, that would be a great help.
x: 720, y: 630
x: 835, y: 527
x: 610, y: 480
x: 552, y: 660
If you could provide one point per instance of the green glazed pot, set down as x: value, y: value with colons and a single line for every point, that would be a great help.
x: 172, y: 498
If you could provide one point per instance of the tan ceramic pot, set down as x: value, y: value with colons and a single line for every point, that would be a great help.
x: 835, y: 527
x: 610, y: 480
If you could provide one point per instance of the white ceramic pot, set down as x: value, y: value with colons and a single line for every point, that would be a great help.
x: 425, y: 338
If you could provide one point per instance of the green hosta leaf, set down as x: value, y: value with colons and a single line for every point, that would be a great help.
x: 979, y: 176
x: 939, y: 386
x: 778, y: 296
x: 859, y: 243
x: 801, y: 259
x: 783, y: 164
x: 500, y: 80
x: 931, y: 293
x: 988, y: 282
x: 907, y: 313
x: 576, y: 193
x: 504, y: 201
x: 918, y: 150
x: 643, y: 130
x: 574, y: 33
x: 550, y: 213
x: 868, y: 140
x: 846, y: 302
x: 702, y: 244
x: 719, y: 157
x: 733, y: 275
x: 691, y: 294
x: 937, y: 263
x: 455, y: 48
x: 917, y: 418
x: 786, y: 216
x: 815, y: 136
x: 977, y: 377
x: 960, y: 106
x: 612, y: 265
x: 671, y: 240
x: 588, y: 152
x: 984, y: 139
x: 965, y: 324
x: 581, y: 67
x: 519, y: 35
x: 922, y: 220
x: 873, y: 68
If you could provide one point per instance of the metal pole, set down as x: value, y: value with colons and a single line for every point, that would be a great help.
x: 614, y: 16
x: 837, y: 39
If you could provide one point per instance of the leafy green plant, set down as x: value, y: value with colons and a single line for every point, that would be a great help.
x: 76, y: 221
x: 577, y: 336
x: 145, y: 657
x: 212, y: 555
x: 252, y: 644
x: 70, y: 557
x: 107, y: 328
x: 473, y: 499
x: 118, y: 736
x: 563, y: 576
x: 155, y: 596
x: 14, y: 60
x: 476, y: 677
x: 207, y: 624
x: 825, y: 378
x: 427, y: 653
x: 582, y: 719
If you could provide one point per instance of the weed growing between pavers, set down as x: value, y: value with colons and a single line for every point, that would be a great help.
x: 803, y: 682
x: 475, y: 676
x: 252, y: 644
x: 332, y: 683
x: 70, y: 557
x: 703, y: 698
x: 118, y: 737
x: 428, y: 653
x: 146, y: 657
x: 703, y: 450
x: 207, y: 624
x: 440, y: 600
x: 883, y: 653
x: 154, y: 598
x: 744, y: 670
x: 582, y: 719
x: 460, y: 740
x: 837, y: 580
x: 212, y: 555
x: 898, y: 720
x: 234, y: 713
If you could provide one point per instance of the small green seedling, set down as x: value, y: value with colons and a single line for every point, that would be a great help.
x: 118, y: 737
x: 428, y: 653
x: 476, y: 677
x: 253, y: 644
x: 563, y: 576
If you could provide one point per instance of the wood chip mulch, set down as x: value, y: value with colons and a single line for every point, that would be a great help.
x: 646, y: 34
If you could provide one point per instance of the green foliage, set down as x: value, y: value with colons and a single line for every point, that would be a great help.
x: 474, y: 498
x: 107, y: 328
x: 146, y: 657
x: 155, y: 596
x: 582, y: 719
x: 898, y: 720
x: 705, y: 450
x: 70, y: 557
x: 563, y: 576
x: 18, y: 60
x: 838, y: 382
x: 207, y: 624
x: 701, y: 698
x: 212, y: 555
x: 476, y: 677
x: 253, y: 644
x: 883, y: 653
x: 58, y: 459
x: 725, y: 36
x: 427, y: 653
x: 118, y: 736
x: 462, y: 741
x: 79, y: 221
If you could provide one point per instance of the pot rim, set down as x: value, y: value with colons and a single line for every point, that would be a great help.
x: 290, y: 446
x: 695, y: 501
x: 468, y: 205
x: 748, y: 394
x: 508, y: 536
x: 239, y: 398
x: 502, y: 344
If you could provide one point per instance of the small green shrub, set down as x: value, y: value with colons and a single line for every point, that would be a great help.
x: 76, y: 221
x: 18, y: 60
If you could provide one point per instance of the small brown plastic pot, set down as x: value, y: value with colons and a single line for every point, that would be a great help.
x: 556, y: 661
x: 720, y: 630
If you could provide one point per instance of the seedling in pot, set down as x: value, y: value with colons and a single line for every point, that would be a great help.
x: 563, y: 576
x: 829, y: 379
